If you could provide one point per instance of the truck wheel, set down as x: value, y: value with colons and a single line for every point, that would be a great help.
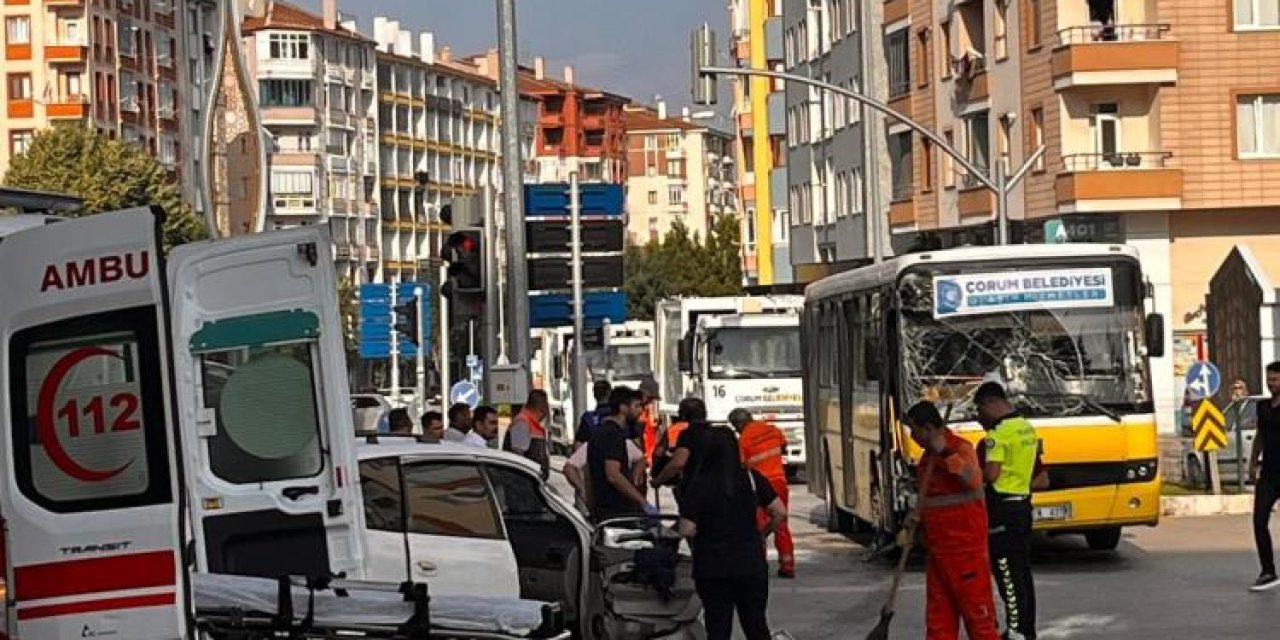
x: 1103, y: 539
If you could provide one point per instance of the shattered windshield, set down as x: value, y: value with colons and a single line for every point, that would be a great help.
x: 1069, y: 356
x: 756, y: 352
x: 629, y: 361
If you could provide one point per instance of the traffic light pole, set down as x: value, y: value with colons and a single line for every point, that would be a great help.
x: 579, y: 381
x: 517, y: 329
x: 420, y: 392
x: 445, y: 310
x: 395, y: 350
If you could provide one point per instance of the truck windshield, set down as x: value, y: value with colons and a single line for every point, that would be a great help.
x: 1058, y: 361
x: 629, y: 361
x: 754, y: 352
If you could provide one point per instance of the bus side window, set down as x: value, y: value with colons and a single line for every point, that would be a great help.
x: 874, y: 342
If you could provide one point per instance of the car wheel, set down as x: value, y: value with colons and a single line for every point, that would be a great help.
x: 1195, y: 471
x: 1103, y: 539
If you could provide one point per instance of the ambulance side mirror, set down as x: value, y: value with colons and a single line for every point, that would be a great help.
x: 684, y: 356
x: 1154, y: 329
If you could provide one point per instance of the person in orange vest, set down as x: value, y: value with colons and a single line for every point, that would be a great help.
x: 762, y: 445
x: 648, y: 416
x: 953, y: 511
x: 527, y: 436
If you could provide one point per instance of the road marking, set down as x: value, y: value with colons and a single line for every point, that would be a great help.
x: 1082, y: 625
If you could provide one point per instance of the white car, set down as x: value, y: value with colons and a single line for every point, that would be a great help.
x: 480, y: 521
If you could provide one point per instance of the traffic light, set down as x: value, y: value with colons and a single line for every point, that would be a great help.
x: 407, y: 323
x: 703, y: 54
x: 464, y: 251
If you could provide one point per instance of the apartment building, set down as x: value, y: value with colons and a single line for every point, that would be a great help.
x: 317, y: 93
x: 1160, y: 120
x: 116, y: 65
x: 759, y: 107
x: 439, y: 140
x: 678, y: 169
x: 831, y: 159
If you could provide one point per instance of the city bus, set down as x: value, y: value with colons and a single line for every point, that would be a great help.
x: 1063, y: 327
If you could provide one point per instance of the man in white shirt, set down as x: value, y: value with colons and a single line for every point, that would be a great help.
x: 484, y: 427
x: 459, y: 423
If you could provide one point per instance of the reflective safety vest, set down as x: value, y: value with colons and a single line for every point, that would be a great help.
x: 762, y: 445
x: 536, y: 430
x: 673, y: 434
x: 952, y: 506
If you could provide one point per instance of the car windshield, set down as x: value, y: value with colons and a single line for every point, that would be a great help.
x: 1056, y: 359
x: 754, y: 352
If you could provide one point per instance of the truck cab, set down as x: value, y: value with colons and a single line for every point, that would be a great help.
x: 752, y: 361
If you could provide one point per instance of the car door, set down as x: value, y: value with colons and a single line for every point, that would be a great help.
x: 384, y: 517
x: 456, y: 538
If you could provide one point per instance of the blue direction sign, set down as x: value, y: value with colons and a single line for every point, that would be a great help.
x: 376, y: 319
x: 465, y: 392
x: 1203, y: 380
x: 556, y: 309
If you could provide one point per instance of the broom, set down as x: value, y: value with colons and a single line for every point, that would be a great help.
x: 881, y: 630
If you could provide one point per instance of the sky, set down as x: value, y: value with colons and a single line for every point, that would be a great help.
x: 636, y: 48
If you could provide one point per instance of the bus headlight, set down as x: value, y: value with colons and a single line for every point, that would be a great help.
x: 1140, y: 471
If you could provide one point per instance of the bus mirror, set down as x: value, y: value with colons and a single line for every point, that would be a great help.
x: 557, y: 364
x: 685, y: 356
x: 1155, y: 335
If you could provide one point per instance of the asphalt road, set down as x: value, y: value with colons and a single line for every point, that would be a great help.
x: 1187, y: 578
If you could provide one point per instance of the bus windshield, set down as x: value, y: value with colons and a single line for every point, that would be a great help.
x: 754, y: 352
x: 1058, y: 361
x: 629, y: 361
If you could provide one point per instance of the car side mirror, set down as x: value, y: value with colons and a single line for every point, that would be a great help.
x: 1154, y: 329
x: 684, y: 356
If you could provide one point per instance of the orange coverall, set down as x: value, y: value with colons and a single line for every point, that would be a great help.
x: 761, y: 445
x: 954, y: 515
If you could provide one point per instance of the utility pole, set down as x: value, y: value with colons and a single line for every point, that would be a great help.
x: 870, y: 140
x: 420, y: 368
x: 492, y: 298
x: 395, y: 350
x: 579, y: 381
x: 517, y: 329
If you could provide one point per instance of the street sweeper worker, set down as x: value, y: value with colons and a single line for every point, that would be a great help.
x: 762, y: 445
x: 954, y: 516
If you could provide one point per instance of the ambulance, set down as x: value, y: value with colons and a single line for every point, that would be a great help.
x: 176, y: 440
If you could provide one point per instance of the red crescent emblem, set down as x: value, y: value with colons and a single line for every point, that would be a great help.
x: 45, y: 414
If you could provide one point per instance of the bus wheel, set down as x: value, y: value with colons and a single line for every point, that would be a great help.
x: 1103, y: 539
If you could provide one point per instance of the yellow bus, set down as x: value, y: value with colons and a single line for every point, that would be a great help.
x: 1063, y: 327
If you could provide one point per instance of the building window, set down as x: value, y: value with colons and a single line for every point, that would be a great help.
x: 651, y: 143
x: 675, y: 195
x: 285, y: 93
x: 1002, y: 143
x: 20, y: 141
x: 1037, y: 135
x: 1035, y: 24
x: 751, y: 230
x: 17, y: 30
x: 653, y: 225
x: 1257, y: 14
x: 900, y: 163
x: 945, y: 45
x: 19, y: 86
x: 1001, y: 36
x: 1106, y: 130
x: 289, y: 46
x: 978, y: 139
x: 1258, y: 126
x: 899, y: 59
x: 292, y: 183
x: 653, y: 197
x: 924, y: 70
x: 675, y: 168
x: 926, y: 161
x: 948, y: 162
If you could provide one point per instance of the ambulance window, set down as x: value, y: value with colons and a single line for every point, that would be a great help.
x: 88, y: 413
x: 264, y: 401
x: 450, y: 500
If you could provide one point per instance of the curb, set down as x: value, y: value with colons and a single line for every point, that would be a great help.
x: 1187, y: 506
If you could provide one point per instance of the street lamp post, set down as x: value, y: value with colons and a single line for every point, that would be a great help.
x: 997, y: 181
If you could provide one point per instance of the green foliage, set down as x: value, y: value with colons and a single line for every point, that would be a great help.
x: 682, y: 264
x: 108, y: 174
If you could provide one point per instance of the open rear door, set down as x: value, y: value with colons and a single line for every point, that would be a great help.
x: 264, y: 404
x: 88, y: 483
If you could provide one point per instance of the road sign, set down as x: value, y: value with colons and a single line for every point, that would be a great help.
x: 556, y: 309
x: 375, y: 319
x: 465, y: 392
x: 1210, y: 427
x: 1203, y: 380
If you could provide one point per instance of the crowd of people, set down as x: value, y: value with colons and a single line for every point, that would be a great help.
x: 469, y: 427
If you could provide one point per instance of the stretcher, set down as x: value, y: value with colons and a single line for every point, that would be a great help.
x: 248, y: 608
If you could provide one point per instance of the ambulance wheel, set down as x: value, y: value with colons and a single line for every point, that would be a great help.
x: 1103, y: 539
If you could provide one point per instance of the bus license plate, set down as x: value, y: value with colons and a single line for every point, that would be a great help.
x: 1052, y: 512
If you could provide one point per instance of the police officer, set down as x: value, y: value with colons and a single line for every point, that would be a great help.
x: 1009, y: 455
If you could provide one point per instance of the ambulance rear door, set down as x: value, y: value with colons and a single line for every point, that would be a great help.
x: 263, y: 399
x: 88, y: 482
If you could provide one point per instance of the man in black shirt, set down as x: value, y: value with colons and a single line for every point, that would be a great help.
x: 1266, y: 456
x: 688, y: 454
x: 613, y: 493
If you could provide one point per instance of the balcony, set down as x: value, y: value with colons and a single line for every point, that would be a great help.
x: 21, y: 108
x: 67, y: 108
x: 971, y: 78
x: 902, y: 212
x: 341, y: 164
x: 975, y: 201
x: 1125, y: 181
x: 1115, y: 55
x: 289, y: 116
x: 65, y: 53
x: 64, y: 3
x: 896, y: 10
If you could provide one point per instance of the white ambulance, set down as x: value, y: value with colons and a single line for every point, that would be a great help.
x: 175, y: 437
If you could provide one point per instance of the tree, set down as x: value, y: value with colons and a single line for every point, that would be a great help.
x: 682, y: 264
x: 107, y: 174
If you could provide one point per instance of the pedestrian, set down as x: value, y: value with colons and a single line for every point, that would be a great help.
x: 1009, y: 454
x: 954, y: 516
x: 459, y: 423
x: 1264, y: 473
x: 527, y: 436
x: 432, y: 427
x: 592, y: 419
x: 648, y: 417
x: 613, y: 492
x: 484, y: 427
x: 399, y: 422
x: 762, y: 445
x: 718, y: 515
x: 575, y: 471
x: 686, y: 458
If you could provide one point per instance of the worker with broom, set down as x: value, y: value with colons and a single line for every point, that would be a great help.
x: 952, y: 510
